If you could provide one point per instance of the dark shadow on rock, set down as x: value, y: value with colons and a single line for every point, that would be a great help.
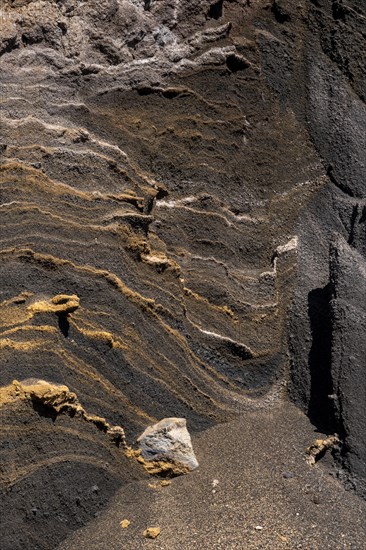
x: 64, y: 325
x: 215, y: 11
x: 236, y: 63
x: 321, y: 410
x: 280, y: 13
x: 43, y: 410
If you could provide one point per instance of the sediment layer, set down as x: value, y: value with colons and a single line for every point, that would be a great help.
x: 171, y: 176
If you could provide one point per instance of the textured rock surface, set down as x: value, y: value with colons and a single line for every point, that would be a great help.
x: 151, y: 532
x: 57, y: 470
x: 172, y: 173
x: 333, y: 107
x: 348, y: 307
x: 151, y: 186
x: 169, y: 441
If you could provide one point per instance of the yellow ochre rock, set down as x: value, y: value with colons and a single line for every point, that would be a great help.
x: 165, y: 482
x: 61, y: 400
x: 317, y: 449
x: 152, y: 532
x: 62, y: 303
x: 158, y: 467
x: 125, y: 523
x: 50, y: 394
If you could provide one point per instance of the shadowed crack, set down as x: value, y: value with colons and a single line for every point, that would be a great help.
x: 320, y: 408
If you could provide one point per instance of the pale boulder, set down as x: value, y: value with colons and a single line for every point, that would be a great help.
x: 168, y: 441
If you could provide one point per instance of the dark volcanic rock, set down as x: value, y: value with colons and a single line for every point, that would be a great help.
x: 57, y: 470
x: 348, y: 307
x: 320, y: 72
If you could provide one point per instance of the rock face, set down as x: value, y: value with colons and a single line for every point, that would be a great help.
x: 333, y: 106
x: 47, y: 438
x: 169, y: 441
x: 172, y: 175
x: 149, y: 175
x: 348, y: 309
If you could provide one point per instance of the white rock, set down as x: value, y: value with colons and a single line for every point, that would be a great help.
x: 168, y: 441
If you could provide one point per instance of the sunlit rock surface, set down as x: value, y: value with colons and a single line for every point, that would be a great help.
x: 172, y: 173
x: 169, y: 441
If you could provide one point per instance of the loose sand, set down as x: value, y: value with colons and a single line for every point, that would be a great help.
x: 253, y: 489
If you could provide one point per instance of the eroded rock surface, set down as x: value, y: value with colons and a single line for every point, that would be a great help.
x: 348, y: 307
x: 172, y: 174
x: 60, y: 465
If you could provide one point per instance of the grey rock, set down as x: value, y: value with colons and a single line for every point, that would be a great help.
x: 168, y: 441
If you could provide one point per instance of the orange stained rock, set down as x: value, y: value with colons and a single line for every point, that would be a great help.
x: 317, y: 449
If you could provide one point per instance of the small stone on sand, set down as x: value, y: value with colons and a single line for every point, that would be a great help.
x: 125, y: 523
x: 165, y: 482
x: 152, y: 532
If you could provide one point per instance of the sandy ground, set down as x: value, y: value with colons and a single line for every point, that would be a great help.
x: 253, y: 489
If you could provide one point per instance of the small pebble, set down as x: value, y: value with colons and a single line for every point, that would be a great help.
x: 125, y: 523
x: 152, y: 532
x: 165, y: 482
